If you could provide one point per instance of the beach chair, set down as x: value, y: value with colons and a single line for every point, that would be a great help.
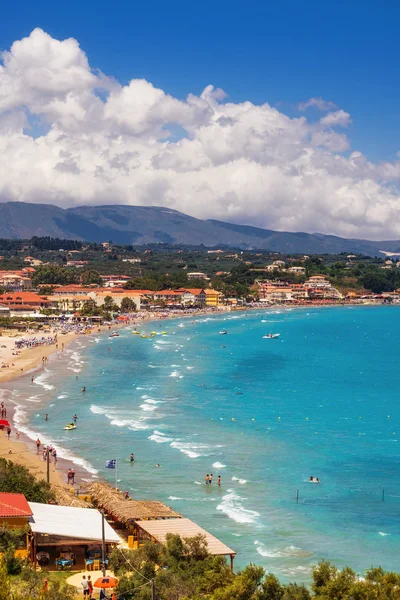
x: 96, y: 564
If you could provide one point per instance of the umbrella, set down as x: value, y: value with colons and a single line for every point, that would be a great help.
x: 106, y: 582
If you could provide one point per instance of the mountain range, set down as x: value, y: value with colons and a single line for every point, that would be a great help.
x: 151, y: 224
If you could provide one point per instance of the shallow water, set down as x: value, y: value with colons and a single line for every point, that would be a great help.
x: 321, y: 400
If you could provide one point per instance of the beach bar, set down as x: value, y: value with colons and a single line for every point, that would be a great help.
x: 66, y: 536
x: 157, y: 531
x: 147, y: 520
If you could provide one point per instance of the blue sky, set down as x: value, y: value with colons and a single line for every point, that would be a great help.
x: 277, y: 52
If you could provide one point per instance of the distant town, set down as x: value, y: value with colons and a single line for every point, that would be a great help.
x: 48, y: 276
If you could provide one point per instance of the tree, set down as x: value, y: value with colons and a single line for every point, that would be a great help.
x: 17, y: 479
x: 109, y: 304
x: 91, y: 277
x: 128, y: 305
x: 53, y: 274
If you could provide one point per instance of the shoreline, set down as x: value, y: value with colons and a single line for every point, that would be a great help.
x: 23, y: 449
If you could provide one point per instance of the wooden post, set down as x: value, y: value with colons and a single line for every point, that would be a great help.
x: 297, y: 496
x: 232, y: 557
x: 103, y: 544
x: 48, y: 464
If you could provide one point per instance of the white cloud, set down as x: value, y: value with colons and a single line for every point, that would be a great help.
x: 339, y: 118
x: 319, y: 103
x: 236, y: 161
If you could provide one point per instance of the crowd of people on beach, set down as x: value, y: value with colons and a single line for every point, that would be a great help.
x: 34, y: 342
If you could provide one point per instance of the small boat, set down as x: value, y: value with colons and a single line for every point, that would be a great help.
x: 144, y: 336
x: 115, y: 334
x: 164, y: 333
x: 153, y: 332
x: 223, y: 332
x: 136, y: 332
x: 70, y: 427
x: 271, y: 336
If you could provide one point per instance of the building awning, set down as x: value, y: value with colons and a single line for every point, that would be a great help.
x: 70, y: 522
x: 184, y: 528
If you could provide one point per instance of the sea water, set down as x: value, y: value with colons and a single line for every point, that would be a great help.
x: 321, y: 400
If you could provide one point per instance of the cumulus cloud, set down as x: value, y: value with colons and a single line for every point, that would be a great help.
x: 70, y: 135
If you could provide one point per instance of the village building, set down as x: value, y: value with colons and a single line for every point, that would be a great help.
x: 297, y: 270
x: 197, y: 275
x: 213, y: 297
x: 24, y: 303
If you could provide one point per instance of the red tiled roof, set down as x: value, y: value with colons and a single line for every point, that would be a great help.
x: 14, y: 505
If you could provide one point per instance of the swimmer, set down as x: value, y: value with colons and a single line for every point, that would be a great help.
x: 83, y: 389
x: 46, y: 417
x: 157, y: 465
x: 210, y: 478
x: 219, y: 480
x: 207, y: 479
x: 132, y: 457
x: 75, y: 418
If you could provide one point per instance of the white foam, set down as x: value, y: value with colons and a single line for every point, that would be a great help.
x: 42, y: 380
x: 174, y: 374
x: 241, y: 481
x: 281, y: 553
x: 232, y: 506
x: 62, y: 396
x: 174, y: 498
x: 218, y: 465
x: 191, y: 449
x: 34, y: 398
x: 383, y: 534
x: 117, y: 418
x: 148, y: 407
x: 159, y: 437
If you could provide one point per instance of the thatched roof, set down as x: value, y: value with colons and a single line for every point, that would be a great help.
x: 114, y: 503
x: 66, y: 498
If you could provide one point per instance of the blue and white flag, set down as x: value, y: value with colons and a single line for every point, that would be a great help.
x: 111, y: 464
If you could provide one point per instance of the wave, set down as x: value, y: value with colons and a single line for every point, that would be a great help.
x: 191, y: 449
x: 148, y: 407
x: 288, y: 551
x: 34, y: 398
x: 232, y: 506
x: 218, y: 465
x: 42, y: 380
x: 159, y: 437
x: 383, y: 534
x: 174, y: 498
x: 62, y: 396
x: 116, y: 418
x: 241, y: 481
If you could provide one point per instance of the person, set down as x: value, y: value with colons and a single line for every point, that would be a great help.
x: 132, y: 458
x: 38, y: 444
x: 311, y: 478
x: 75, y: 418
x: 113, y: 596
x: 126, y: 495
x: 45, y: 587
x: 210, y: 479
x: 46, y: 417
x: 219, y: 480
x: 8, y: 433
x: 316, y: 480
x: 32, y: 379
x: 157, y: 465
x: 55, y: 456
x: 17, y: 434
x: 103, y: 595
x: 90, y: 586
x: 207, y: 479
x: 83, y: 389
x: 85, y: 586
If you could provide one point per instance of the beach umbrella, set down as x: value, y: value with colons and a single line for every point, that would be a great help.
x: 106, y: 582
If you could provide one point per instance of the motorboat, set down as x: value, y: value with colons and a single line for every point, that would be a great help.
x: 271, y: 336
x: 115, y: 334
x: 223, y: 332
x: 164, y: 333
x: 136, y: 332
x: 70, y: 427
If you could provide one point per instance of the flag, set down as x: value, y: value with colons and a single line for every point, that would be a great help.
x: 111, y: 464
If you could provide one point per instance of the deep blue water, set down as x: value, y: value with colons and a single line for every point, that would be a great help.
x: 321, y: 400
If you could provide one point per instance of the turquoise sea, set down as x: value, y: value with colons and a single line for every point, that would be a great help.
x: 322, y: 400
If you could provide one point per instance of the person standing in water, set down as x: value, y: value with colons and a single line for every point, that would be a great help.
x: 75, y: 418
x: 210, y: 479
x: 219, y: 480
x: 207, y: 479
x: 132, y: 458
x: 46, y: 417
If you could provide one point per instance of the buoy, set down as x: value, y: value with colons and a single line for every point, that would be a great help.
x: 388, y: 416
x: 306, y: 418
